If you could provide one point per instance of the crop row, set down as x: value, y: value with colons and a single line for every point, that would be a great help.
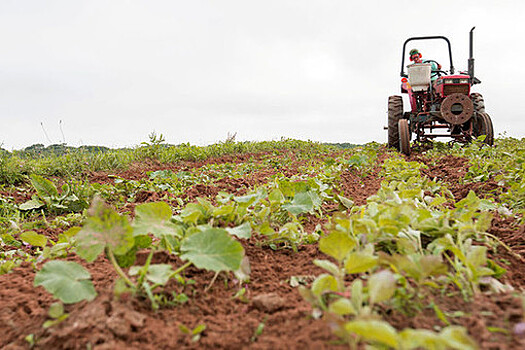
x: 410, y: 242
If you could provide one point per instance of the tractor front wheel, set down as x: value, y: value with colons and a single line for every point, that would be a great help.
x: 395, y: 113
x: 404, y: 136
x: 478, y: 102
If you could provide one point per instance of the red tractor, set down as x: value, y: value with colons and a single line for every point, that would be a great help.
x: 440, y: 101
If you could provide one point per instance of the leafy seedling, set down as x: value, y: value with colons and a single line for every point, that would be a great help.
x: 57, y: 315
x: 195, y: 333
x: 66, y: 280
x: 259, y: 330
x: 47, y: 196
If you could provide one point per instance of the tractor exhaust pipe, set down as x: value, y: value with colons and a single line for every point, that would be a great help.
x: 471, y: 58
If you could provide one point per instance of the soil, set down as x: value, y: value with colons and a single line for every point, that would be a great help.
x: 451, y: 170
x: 271, y: 313
x: 139, y: 170
x: 107, y: 323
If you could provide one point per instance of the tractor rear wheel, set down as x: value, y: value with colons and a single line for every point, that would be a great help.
x: 395, y: 113
x: 404, y: 136
x: 477, y: 100
x: 483, y: 126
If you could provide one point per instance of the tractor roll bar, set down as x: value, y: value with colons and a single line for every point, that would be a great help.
x: 425, y: 38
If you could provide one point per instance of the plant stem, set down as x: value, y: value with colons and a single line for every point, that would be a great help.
x: 180, y: 269
x: 211, y: 283
x: 517, y: 256
x: 144, y: 269
x: 119, y: 270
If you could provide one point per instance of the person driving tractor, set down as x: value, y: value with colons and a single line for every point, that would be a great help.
x: 416, y: 57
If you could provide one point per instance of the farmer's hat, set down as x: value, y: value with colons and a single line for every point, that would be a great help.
x: 414, y: 52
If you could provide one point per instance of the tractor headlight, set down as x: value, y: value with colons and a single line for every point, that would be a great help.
x: 456, y: 81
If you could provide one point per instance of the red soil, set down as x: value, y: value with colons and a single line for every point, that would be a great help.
x: 231, y: 323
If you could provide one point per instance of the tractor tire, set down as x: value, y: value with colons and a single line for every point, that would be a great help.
x: 404, y: 136
x: 395, y: 113
x: 479, y: 103
x: 483, y: 126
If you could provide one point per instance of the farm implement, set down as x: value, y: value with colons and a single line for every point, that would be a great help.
x: 441, y: 103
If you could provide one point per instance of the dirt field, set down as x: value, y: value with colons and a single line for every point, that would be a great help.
x: 271, y: 314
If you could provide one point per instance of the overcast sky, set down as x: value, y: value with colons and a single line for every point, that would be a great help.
x: 111, y: 72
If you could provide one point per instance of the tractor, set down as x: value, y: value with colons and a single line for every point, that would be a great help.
x: 442, y: 104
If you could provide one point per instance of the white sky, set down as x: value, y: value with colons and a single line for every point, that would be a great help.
x: 114, y: 71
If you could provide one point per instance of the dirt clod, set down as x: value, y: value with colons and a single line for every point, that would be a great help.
x: 268, y: 302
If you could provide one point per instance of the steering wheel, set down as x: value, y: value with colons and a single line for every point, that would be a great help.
x: 438, y: 72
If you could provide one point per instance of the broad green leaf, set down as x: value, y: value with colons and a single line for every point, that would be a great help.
x: 307, y: 295
x: 157, y: 273
x: 66, y: 190
x: 67, y: 235
x: 34, y: 238
x: 357, y: 294
x: 432, y: 265
x: 243, y: 272
x: 223, y: 210
x: 347, y: 203
x: 342, y: 307
x: 143, y: 241
x: 266, y: 229
x: 477, y: 256
x: 44, y: 188
x: 276, y: 197
x: 498, y: 271
x: 121, y: 287
x: 66, y: 280
x: 337, y: 244
x: 381, y: 286
x: 56, y: 310
x: 328, y: 266
x: 242, y: 231
x: 324, y: 282
x: 374, y: 331
x: 457, y: 338
x: 252, y: 198
x: 357, y: 160
x: 420, y: 339
x: 301, y: 203
x: 262, y: 214
x: 127, y: 259
x: 316, y: 199
x: 192, y: 213
x: 360, y: 262
x: 154, y: 218
x: 31, y: 204
x: 206, y: 205
x: 104, y: 228
x: 213, y: 249
x: 160, y: 174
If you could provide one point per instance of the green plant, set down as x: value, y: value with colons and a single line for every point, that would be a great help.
x: 66, y: 280
x: 107, y: 231
x: 48, y: 196
x: 195, y: 333
x: 57, y: 315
